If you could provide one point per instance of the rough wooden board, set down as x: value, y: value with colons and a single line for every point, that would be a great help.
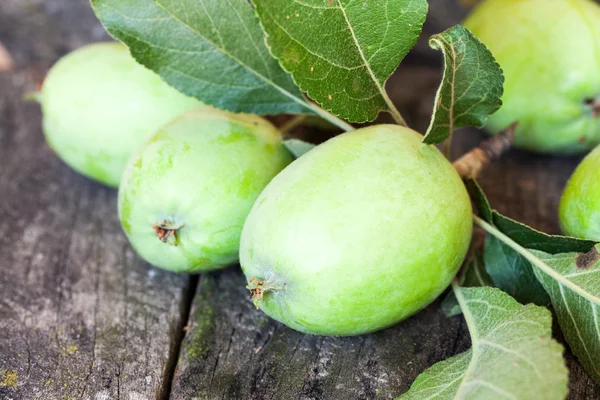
x: 233, y: 351
x: 40, y: 31
x: 81, y: 317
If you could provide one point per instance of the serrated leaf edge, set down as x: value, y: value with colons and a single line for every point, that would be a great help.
x: 438, y: 44
x: 380, y: 88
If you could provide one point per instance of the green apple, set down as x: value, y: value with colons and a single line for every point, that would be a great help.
x: 550, y: 53
x: 99, y: 104
x: 357, y: 234
x: 580, y: 204
x: 187, y: 191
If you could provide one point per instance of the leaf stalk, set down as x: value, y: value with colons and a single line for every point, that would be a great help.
x: 330, y: 117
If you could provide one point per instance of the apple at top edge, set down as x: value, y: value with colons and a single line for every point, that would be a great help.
x: 549, y: 51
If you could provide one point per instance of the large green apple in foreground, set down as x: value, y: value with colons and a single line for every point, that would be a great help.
x: 99, y: 105
x: 550, y: 53
x: 580, y: 204
x: 357, y: 234
x: 186, y: 192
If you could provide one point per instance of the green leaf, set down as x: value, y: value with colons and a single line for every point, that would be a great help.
x: 212, y: 50
x: 512, y: 273
x: 523, y: 234
x: 536, y: 240
x: 298, y: 147
x: 341, y: 52
x: 475, y: 276
x: 513, y: 354
x: 472, y: 86
x: 578, y: 313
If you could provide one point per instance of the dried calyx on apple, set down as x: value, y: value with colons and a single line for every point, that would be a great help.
x: 187, y: 191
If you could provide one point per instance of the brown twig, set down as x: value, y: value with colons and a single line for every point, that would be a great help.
x: 471, y: 164
x: 6, y: 61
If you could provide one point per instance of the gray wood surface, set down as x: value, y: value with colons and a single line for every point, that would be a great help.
x: 81, y: 317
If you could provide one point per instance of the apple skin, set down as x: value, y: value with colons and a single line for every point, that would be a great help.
x: 579, y: 209
x: 357, y: 234
x: 99, y: 104
x: 550, y: 54
x: 197, y: 179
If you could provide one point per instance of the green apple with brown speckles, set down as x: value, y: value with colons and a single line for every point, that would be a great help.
x: 187, y: 191
x: 99, y: 104
x: 580, y: 204
x: 549, y: 51
x: 357, y: 234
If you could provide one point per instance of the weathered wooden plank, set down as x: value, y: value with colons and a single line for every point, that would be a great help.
x: 81, y: 317
x: 233, y: 351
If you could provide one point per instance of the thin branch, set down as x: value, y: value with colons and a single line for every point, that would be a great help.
x: 471, y: 164
x: 448, y: 145
x: 6, y: 62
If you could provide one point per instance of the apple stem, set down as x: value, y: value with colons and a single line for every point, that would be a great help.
x: 471, y: 164
x: 258, y: 287
x: 167, y: 233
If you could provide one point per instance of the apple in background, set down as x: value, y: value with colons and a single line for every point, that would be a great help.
x: 187, y: 191
x: 550, y: 53
x: 357, y: 234
x: 580, y: 204
x: 99, y: 104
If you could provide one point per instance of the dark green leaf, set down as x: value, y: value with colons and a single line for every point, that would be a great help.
x: 523, y: 234
x: 536, y: 240
x: 513, y: 354
x: 472, y: 86
x: 342, y: 52
x: 212, y: 50
x: 512, y: 273
x: 576, y: 299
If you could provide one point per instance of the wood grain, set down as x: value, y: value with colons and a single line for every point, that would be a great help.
x: 81, y: 316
